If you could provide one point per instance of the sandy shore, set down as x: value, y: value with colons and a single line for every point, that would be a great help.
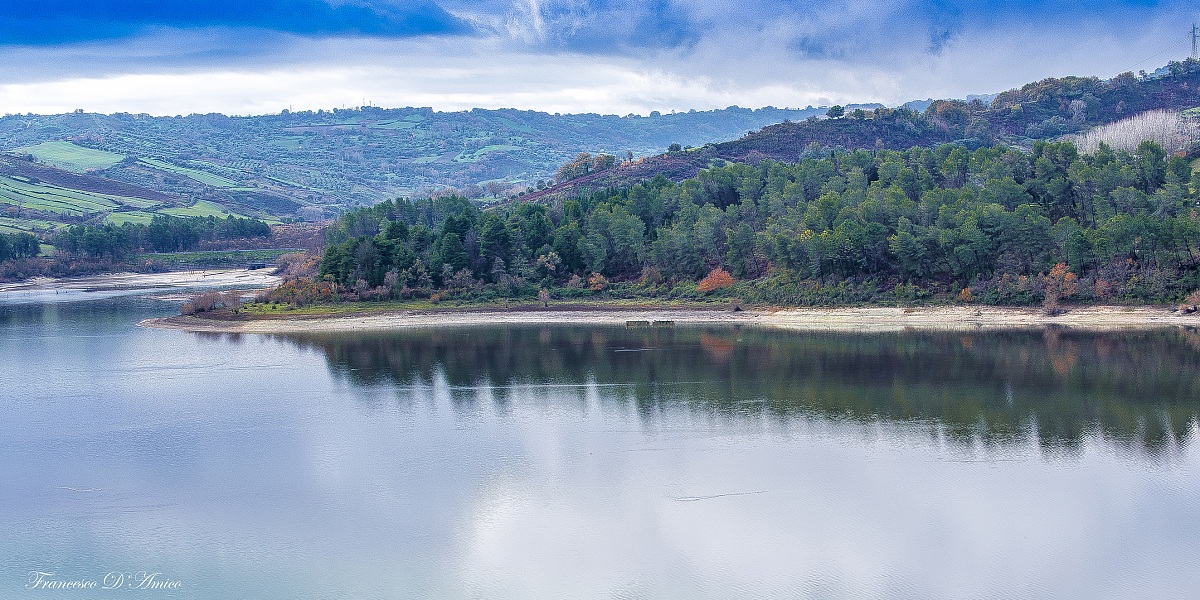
x: 874, y: 319
x: 139, y: 281
x: 168, y: 286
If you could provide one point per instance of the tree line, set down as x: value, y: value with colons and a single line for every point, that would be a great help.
x: 17, y: 246
x: 990, y: 224
x: 164, y: 233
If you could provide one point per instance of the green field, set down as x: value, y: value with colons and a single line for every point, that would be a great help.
x: 11, y: 225
x: 19, y: 191
x: 197, y: 175
x: 220, y: 257
x: 69, y: 157
x: 484, y: 151
x: 289, y: 143
x: 202, y: 208
x: 401, y: 124
x: 133, y: 216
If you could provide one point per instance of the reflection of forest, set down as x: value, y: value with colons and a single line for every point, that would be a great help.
x: 1134, y: 387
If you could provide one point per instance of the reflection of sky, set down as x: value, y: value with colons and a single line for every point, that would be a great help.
x: 240, y: 466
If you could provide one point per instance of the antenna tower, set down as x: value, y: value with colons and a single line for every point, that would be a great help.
x: 1195, y: 38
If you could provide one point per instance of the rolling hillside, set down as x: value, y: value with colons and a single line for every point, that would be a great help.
x: 1043, y: 110
x: 313, y: 164
x: 40, y: 199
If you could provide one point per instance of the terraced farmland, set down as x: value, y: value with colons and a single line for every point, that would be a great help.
x: 40, y: 196
x: 70, y: 157
x: 197, y: 175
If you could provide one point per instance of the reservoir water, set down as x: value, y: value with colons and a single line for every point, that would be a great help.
x: 605, y: 462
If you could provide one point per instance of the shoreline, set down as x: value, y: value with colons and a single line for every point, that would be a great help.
x: 865, y: 320
x: 124, y: 282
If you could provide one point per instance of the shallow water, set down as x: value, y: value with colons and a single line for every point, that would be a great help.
x: 554, y: 462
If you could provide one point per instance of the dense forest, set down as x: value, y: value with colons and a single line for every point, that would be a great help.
x: 993, y: 225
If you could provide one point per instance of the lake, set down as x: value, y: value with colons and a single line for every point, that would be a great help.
x: 604, y: 462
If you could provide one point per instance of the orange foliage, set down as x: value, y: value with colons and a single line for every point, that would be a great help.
x: 965, y: 295
x: 716, y: 279
x: 1060, y: 283
x: 597, y: 282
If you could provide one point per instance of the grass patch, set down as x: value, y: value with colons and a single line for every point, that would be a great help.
x: 12, y: 225
x: 70, y: 157
x: 484, y: 151
x: 289, y: 142
x: 399, y: 124
x: 196, y: 175
x: 202, y: 208
x: 219, y: 257
x: 135, y: 216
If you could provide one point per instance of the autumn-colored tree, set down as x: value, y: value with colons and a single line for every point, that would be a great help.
x: 544, y: 297
x: 965, y: 295
x: 1060, y: 283
x: 597, y: 282
x: 716, y: 279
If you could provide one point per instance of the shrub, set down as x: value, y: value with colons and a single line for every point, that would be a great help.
x: 597, y: 282
x: 299, y: 292
x: 210, y: 301
x: 716, y: 279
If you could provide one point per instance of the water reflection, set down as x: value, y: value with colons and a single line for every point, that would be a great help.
x: 1136, y: 389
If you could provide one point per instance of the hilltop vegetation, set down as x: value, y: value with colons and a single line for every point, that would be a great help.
x: 1016, y: 118
x: 992, y: 225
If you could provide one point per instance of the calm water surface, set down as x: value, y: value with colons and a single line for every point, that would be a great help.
x: 568, y: 462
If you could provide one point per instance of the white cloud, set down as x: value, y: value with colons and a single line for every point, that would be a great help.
x: 861, y: 52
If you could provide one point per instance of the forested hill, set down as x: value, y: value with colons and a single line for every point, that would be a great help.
x: 317, y: 163
x: 786, y: 142
x: 995, y: 225
x: 1040, y: 110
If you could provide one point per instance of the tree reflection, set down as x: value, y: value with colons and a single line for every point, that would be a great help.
x: 1135, y: 388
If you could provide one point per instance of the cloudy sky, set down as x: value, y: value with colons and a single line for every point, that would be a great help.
x: 168, y: 57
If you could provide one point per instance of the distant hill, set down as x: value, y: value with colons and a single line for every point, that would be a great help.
x: 1042, y: 110
x: 313, y: 164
